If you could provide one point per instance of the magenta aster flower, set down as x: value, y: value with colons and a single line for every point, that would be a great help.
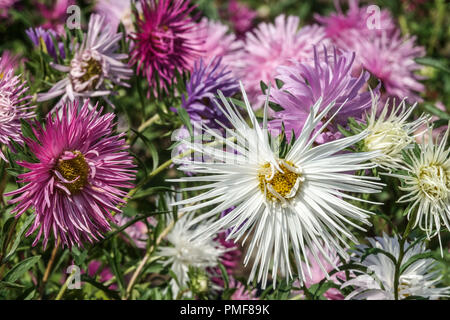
x: 14, y: 105
x: 217, y: 42
x: 241, y: 17
x: 273, y: 45
x: 391, y: 60
x: 78, y: 179
x: 339, y: 26
x: 94, y: 69
x: 55, y: 17
x: 163, y: 42
x: 202, y: 88
x: 329, y: 78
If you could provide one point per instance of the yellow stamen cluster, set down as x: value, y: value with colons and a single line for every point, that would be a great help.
x: 281, y: 182
x: 73, y: 168
x: 92, y: 68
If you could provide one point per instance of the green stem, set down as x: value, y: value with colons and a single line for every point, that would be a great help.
x: 65, y: 285
x: 402, y: 253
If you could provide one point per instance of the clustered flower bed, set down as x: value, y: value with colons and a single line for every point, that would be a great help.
x: 175, y: 149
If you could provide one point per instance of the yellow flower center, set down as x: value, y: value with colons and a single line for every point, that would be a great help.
x: 92, y: 68
x: 434, y: 181
x: 279, y: 185
x: 72, y: 169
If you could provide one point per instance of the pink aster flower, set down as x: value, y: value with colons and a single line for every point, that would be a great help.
x: 138, y: 231
x: 391, y: 60
x: 328, y: 78
x: 273, y: 45
x: 241, y: 17
x: 79, y: 177
x: 117, y: 11
x: 317, y: 273
x: 241, y: 292
x: 163, y: 42
x: 216, y: 41
x: 230, y: 258
x: 95, y: 269
x: 5, y: 5
x: 55, y: 16
x: 14, y: 105
x: 366, y: 20
x: 94, y: 69
x: 9, y: 60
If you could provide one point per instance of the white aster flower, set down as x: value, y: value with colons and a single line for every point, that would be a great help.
x: 390, y: 134
x: 377, y: 283
x: 428, y: 185
x: 95, y: 67
x: 186, y: 252
x: 298, y: 200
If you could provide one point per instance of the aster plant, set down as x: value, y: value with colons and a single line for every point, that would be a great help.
x: 94, y: 69
x: 163, y: 41
x: 14, y: 106
x: 79, y: 178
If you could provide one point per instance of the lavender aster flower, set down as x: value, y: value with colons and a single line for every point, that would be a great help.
x: 14, y: 105
x: 241, y: 17
x: 329, y: 78
x: 40, y: 36
x: 77, y: 180
x: 201, y: 89
x: 95, y: 67
x: 163, y: 41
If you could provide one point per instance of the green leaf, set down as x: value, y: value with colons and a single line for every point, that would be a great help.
x: 224, y: 275
x: 184, y: 116
x: 371, y: 251
x: 426, y: 61
x: 21, y: 268
x: 5, y: 284
x: 18, y: 238
x: 263, y: 86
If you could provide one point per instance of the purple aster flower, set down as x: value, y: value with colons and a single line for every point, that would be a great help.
x: 272, y: 45
x: 328, y: 78
x: 14, y: 105
x: 241, y: 17
x: 40, y: 36
x: 163, y: 42
x: 202, y: 87
x: 94, y: 69
x: 79, y: 178
x: 217, y: 42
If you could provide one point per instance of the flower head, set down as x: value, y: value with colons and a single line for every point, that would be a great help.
x: 428, y: 185
x: 330, y: 79
x: 391, y: 59
x: 117, y: 11
x: 78, y: 179
x: 368, y: 21
x: 56, y: 16
x: 291, y: 201
x: 241, y: 17
x: 43, y: 38
x: 14, y: 106
x: 241, y: 292
x: 94, y: 69
x: 185, y: 252
x: 217, y: 42
x: 390, y: 134
x: 163, y: 42
x: 272, y: 45
x: 201, y: 89
x: 377, y: 283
